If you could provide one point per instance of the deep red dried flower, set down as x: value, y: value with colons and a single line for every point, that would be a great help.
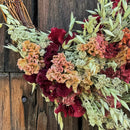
x: 58, y: 36
x: 62, y: 90
x: 62, y: 108
x: 109, y: 72
x: 30, y: 78
x: 51, y: 50
x: 41, y: 77
x: 111, y: 50
x: 74, y: 110
x: 124, y: 73
x: 50, y: 89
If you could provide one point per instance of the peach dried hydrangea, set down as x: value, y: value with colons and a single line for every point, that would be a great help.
x: 95, y: 46
x: 32, y: 62
x: 63, y: 72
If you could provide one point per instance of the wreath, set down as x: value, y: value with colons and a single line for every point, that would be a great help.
x: 83, y: 72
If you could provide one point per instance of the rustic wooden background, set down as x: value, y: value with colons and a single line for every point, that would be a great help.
x: 19, y: 109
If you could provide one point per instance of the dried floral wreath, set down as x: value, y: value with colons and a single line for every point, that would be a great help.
x: 84, y: 72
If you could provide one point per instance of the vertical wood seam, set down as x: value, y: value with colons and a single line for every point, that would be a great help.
x: 10, y: 100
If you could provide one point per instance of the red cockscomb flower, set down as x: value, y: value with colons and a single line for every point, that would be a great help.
x: 62, y: 90
x: 41, y: 77
x: 58, y: 36
x: 111, y: 50
x: 123, y: 73
x: 109, y: 72
x: 30, y: 78
x: 50, y: 89
x: 51, y: 50
x: 74, y: 110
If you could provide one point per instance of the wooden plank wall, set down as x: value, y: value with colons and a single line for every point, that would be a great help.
x: 19, y: 108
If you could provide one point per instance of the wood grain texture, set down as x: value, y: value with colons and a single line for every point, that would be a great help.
x: 26, y: 111
x: 5, y: 122
x: 19, y: 109
x: 56, y: 13
x: 2, y: 39
x: 33, y: 113
x: 70, y: 123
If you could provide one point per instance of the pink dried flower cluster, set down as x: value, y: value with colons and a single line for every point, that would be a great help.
x: 95, y: 47
x: 63, y: 72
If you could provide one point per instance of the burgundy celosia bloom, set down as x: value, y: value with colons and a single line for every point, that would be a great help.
x: 58, y: 36
x: 109, y: 72
x: 43, y: 82
x: 110, y: 100
x: 51, y: 50
x: 50, y: 89
x: 41, y: 77
x: 58, y: 91
x: 62, y: 108
x: 62, y: 90
x: 123, y: 73
x: 78, y: 109
x: 111, y: 50
x: 74, y: 110
x: 30, y: 78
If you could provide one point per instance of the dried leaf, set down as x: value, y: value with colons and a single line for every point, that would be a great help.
x: 11, y: 47
x: 33, y: 87
x: 91, y: 12
x: 108, y: 32
x: 127, y: 13
x: 60, y: 120
x: 124, y: 104
x: 108, y: 4
x: 79, y: 38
